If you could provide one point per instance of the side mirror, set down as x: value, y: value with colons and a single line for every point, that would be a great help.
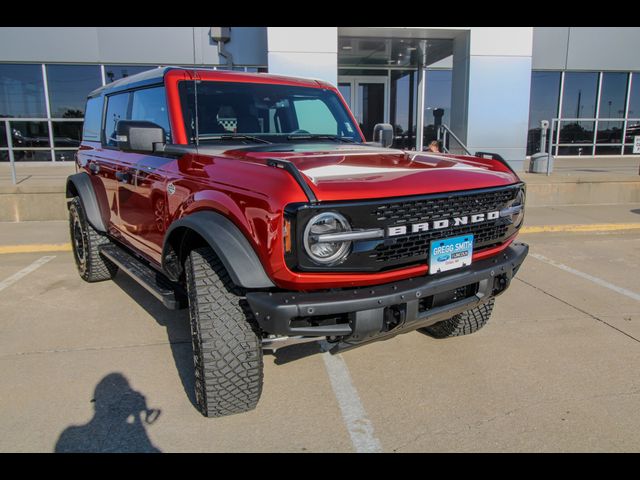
x: 139, y: 136
x: 383, y: 133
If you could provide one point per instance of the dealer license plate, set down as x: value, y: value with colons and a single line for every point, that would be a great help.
x: 450, y: 253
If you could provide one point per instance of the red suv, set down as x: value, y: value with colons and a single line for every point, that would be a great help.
x: 254, y: 201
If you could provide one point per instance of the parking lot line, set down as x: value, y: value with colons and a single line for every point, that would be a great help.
x: 34, y: 248
x: 586, y: 276
x: 25, y: 271
x: 355, y: 417
x: 594, y: 227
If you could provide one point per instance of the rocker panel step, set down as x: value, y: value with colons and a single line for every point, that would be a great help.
x: 168, y: 292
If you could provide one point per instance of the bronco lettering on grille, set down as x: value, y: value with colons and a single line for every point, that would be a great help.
x: 440, y: 224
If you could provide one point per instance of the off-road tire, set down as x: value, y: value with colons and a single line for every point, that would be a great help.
x: 227, y: 346
x: 462, y: 324
x: 86, y: 243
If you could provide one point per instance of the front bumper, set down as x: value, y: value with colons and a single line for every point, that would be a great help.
x: 353, y: 317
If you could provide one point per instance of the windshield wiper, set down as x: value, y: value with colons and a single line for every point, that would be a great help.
x: 232, y: 137
x: 314, y: 136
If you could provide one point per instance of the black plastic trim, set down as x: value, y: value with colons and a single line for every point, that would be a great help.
x: 295, y: 173
x: 495, y: 156
x: 82, y: 183
x: 169, y: 293
x: 274, y: 311
x: 234, y: 250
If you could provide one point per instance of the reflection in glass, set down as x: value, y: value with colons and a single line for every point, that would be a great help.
x: 613, y: 95
x: 345, y: 91
x: 437, y: 103
x: 633, y: 130
x: 92, y: 120
x: 608, y: 150
x: 150, y: 104
x: 30, y: 134
x: 610, y: 132
x: 577, y: 150
x: 67, y: 134
x: 65, y: 155
x: 634, y: 97
x: 545, y: 92
x: 116, y: 111
x: 21, y: 91
x: 116, y: 72
x: 403, y: 108
x: 579, y: 98
x: 27, y: 156
x: 576, y: 132
x: 69, y: 86
x: 371, y: 103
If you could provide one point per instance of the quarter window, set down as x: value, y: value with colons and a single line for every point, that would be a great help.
x: 92, y: 120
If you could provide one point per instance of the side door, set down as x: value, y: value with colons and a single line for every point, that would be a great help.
x: 143, y: 190
x: 107, y: 158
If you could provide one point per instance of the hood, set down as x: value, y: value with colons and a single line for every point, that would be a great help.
x: 353, y: 172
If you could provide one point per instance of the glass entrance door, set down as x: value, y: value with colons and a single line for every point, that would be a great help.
x: 368, y: 99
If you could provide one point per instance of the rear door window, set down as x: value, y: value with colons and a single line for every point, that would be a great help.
x: 117, y: 109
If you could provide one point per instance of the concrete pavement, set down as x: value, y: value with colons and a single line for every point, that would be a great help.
x: 557, y: 368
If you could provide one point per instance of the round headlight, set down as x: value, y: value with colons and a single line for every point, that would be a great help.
x: 326, y: 252
x: 518, y: 217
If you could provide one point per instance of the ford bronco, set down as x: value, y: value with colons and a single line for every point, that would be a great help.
x: 254, y: 201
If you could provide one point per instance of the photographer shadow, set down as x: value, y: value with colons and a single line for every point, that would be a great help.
x: 118, y: 423
x: 178, y: 330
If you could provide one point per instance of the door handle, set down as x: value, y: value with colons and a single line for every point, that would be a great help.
x: 123, y: 177
x: 94, y: 168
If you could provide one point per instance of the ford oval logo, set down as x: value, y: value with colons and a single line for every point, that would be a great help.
x: 443, y: 258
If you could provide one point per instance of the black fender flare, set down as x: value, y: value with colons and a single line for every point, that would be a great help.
x: 80, y: 183
x: 232, y: 247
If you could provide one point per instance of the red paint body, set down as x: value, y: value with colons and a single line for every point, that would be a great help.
x: 238, y: 184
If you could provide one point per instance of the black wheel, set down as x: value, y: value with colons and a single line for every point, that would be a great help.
x: 227, y: 346
x: 462, y: 324
x: 86, y: 243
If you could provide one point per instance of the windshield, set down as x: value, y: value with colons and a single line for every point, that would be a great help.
x: 263, y: 112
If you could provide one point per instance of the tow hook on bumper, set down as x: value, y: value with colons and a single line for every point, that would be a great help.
x: 353, y: 317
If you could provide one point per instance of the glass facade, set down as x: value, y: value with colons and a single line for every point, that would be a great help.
x: 437, y: 102
x: 44, y: 106
x: 597, y: 112
x: 404, y: 86
x: 545, y: 92
x: 22, y: 91
x: 69, y: 86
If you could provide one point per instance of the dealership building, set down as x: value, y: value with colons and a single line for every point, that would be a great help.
x: 480, y: 89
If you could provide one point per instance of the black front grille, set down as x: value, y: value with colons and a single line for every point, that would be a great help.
x: 454, y: 205
x: 393, y: 252
x: 486, y: 233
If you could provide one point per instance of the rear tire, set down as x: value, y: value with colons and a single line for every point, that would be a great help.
x: 462, y: 324
x: 86, y: 243
x: 227, y: 346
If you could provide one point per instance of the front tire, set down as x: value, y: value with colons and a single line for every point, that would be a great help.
x: 227, y: 348
x: 462, y: 324
x: 86, y: 243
